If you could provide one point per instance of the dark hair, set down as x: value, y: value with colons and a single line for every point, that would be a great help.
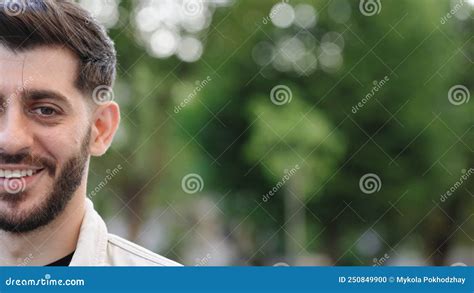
x: 27, y: 24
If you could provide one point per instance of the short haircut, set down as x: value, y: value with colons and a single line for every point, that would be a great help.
x: 28, y: 24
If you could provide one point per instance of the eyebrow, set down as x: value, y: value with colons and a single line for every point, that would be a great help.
x: 37, y: 95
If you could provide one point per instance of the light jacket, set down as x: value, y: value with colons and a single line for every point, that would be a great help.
x: 96, y: 247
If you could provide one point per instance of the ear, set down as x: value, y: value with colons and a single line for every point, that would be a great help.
x: 106, y: 120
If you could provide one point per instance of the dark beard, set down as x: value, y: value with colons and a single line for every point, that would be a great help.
x: 69, y: 180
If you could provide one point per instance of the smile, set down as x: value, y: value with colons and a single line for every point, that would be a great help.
x: 16, y: 179
x: 7, y: 174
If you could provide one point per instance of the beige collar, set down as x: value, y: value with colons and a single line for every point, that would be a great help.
x: 91, y: 246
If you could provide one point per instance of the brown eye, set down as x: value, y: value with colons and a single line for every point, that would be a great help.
x: 45, y: 111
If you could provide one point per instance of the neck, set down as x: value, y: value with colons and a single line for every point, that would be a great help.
x: 46, y: 244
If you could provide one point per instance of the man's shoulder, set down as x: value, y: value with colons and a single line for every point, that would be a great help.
x: 121, y: 252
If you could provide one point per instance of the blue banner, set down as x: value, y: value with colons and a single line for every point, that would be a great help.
x: 237, y: 279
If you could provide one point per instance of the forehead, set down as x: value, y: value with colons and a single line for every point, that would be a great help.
x: 47, y: 68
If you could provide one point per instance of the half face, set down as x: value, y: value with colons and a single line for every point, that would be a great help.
x: 44, y: 136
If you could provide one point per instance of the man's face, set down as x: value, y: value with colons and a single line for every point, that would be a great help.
x: 44, y: 136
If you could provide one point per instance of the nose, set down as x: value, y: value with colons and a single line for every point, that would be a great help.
x: 15, y: 135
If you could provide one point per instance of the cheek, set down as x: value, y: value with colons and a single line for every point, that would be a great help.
x: 59, y: 143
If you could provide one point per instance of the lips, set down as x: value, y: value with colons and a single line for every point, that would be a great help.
x: 18, y: 180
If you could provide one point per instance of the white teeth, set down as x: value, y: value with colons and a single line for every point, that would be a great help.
x: 16, y: 173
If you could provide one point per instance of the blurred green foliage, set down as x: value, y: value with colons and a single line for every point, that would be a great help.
x: 241, y: 143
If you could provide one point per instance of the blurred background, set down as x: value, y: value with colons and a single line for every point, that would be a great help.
x: 292, y: 132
